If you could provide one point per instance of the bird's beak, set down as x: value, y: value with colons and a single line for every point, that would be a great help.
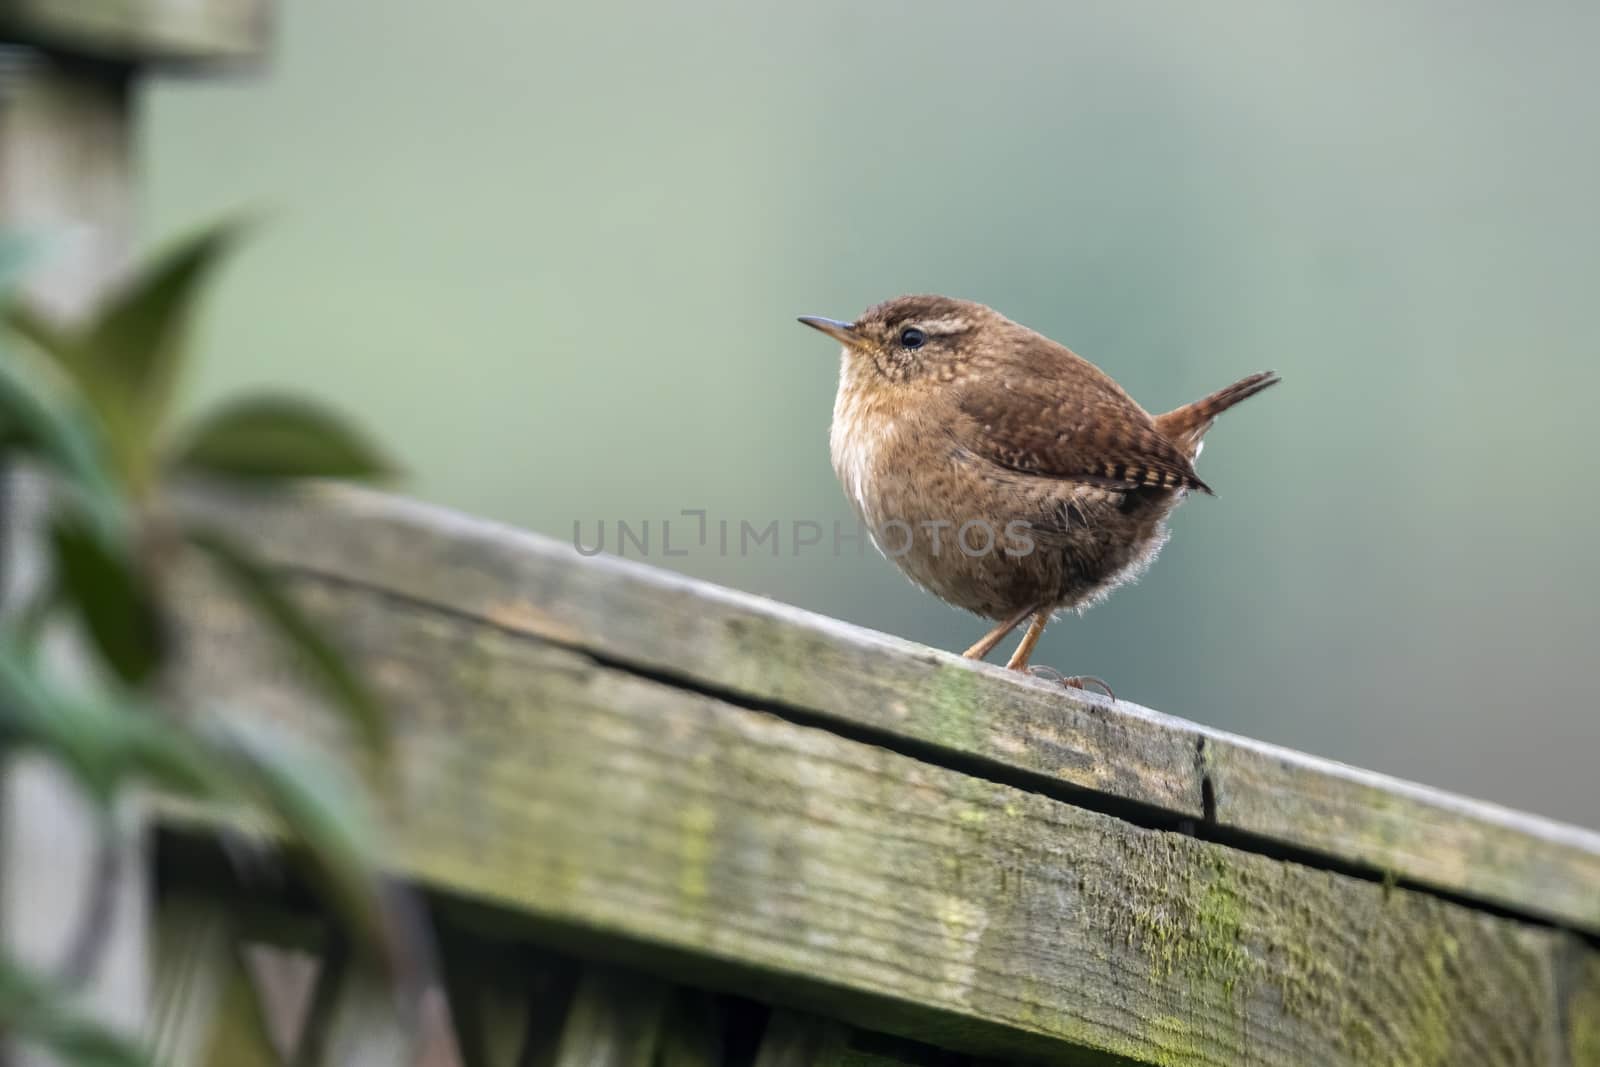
x: 844, y: 332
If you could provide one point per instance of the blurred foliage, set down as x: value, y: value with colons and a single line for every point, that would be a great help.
x: 91, y: 405
x: 41, y: 1010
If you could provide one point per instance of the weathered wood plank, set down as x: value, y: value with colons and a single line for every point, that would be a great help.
x: 833, y: 875
x: 244, y: 1034
x: 1580, y: 999
x: 241, y: 1037
x: 359, y: 1018
x: 506, y: 1003
x: 796, y: 1040
x: 554, y: 983
x: 141, y: 31
x: 615, y: 1020
x: 691, y: 1031
x: 758, y: 651
x: 1521, y: 862
x: 195, y: 964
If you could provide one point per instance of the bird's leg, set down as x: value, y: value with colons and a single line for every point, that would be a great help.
x: 1019, y: 658
x: 996, y: 635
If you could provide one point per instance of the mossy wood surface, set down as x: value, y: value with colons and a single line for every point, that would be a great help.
x: 624, y: 815
x: 934, y: 704
x: 1581, y: 1006
x: 141, y: 31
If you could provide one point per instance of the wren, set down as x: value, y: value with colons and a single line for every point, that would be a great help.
x: 1000, y: 471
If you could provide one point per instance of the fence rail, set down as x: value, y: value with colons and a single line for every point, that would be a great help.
x: 634, y: 766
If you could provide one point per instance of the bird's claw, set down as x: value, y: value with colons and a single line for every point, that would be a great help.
x: 1073, y: 681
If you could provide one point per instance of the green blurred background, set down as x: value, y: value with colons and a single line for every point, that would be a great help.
x: 553, y: 253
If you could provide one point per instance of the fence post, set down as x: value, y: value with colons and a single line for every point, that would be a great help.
x: 68, y: 69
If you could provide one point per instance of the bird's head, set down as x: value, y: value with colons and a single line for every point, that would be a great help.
x: 913, y: 338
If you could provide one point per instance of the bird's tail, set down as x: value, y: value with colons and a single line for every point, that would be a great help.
x: 1185, y: 426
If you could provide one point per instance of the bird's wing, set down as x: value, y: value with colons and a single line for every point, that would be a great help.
x: 1092, y: 433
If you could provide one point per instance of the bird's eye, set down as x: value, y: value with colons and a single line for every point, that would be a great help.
x: 911, y: 337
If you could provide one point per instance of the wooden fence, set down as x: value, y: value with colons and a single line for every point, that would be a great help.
x: 661, y: 823
x: 617, y: 765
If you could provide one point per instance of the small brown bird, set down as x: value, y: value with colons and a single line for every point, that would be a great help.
x: 1000, y: 471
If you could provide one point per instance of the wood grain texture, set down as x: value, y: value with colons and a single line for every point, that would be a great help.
x: 833, y: 875
x: 757, y: 651
x: 141, y: 31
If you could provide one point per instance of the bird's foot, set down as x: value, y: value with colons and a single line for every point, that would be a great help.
x: 1073, y: 681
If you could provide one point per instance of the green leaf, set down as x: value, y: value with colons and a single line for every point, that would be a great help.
x: 65, y: 352
x: 272, y: 437
x: 33, y: 716
x: 32, y: 616
x: 35, y: 1010
x: 103, y: 743
x: 259, y: 586
x: 33, y: 420
x: 113, y: 599
x: 50, y: 339
x: 18, y: 252
x: 137, y: 344
x: 321, y: 815
x: 36, y: 424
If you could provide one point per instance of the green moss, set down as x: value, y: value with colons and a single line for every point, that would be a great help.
x: 1583, y: 1016
x: 1173, y: 1041
x: 696, y: 824
x: 1231, y: 935
x: 1219, y: 922
x: 1427, y: 1042
x: 1195, y: 932
x: 952, y: 715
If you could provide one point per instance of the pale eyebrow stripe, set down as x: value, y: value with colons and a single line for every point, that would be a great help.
x: 948, y: 324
